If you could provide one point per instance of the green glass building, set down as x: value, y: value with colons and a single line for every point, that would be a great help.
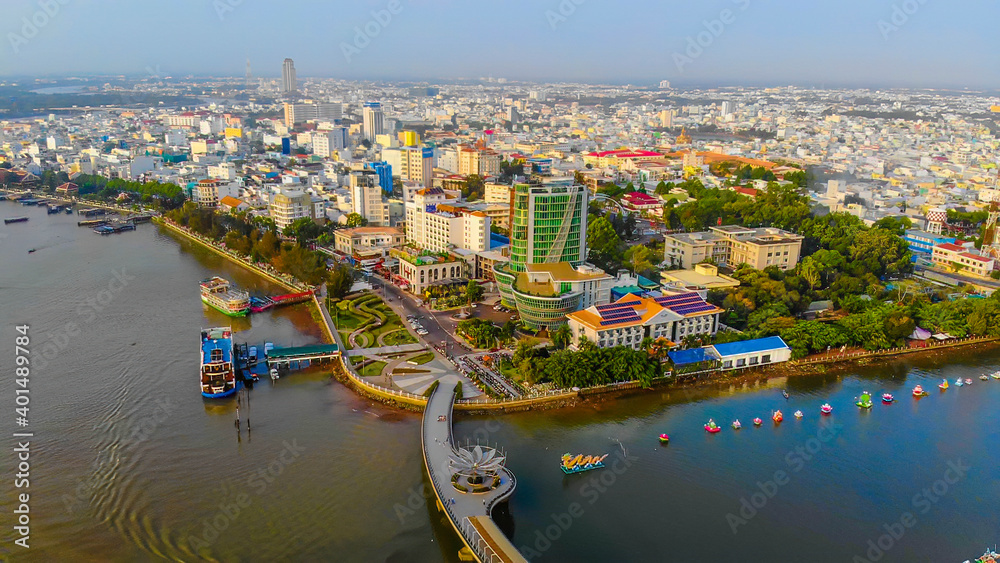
x: 546, y: 277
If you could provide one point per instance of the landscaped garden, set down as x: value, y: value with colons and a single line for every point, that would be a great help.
x: 368, y: 317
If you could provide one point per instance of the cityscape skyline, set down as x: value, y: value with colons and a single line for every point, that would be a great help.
x: 697, y: 45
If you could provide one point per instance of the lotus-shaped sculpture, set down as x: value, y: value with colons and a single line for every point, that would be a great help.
x: 478, y: 461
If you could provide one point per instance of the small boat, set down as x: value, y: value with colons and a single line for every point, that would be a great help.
x: 865, y: 401
x: 798, y: 414
x: 995, y: 375
x: 15, y: 220
x: 579, y: 463
x: 984, y: 378
x: 887, y: 398
x: 968, y: 381
x: 777, y: 417
x: 664, y: 438
x: 918, y: 391
x: 737, y: 425
x: 826, y: 408
x: 712, y: 427
x: 757, y: 422
x: 784, y: 393
x: 958, y: 382
x: 31, y: 250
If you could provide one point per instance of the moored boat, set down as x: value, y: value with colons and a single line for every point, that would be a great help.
x: 959, y: 382
x: 826, y: 408
x: 579, y: 463
x: 968, y: 381
x: 984, y: 378
x: 777, y: 417
x: 218, y: 374
x: 10, y: 220
x: 887, y: 398
x: 918, y: 391
x: 865, y: 401
x: 217, y: 294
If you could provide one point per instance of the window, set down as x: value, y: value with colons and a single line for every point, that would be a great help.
x: 741, y: 362
x: 765, y: 359
x: 727, y: 364
x: 754, y: 361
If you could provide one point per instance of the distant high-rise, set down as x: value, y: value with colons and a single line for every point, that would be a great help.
x: 288, y: 76
x: 833, y: 189
x: 374, y: 120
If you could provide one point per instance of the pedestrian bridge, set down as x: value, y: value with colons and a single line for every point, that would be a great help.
x: 469, y: 513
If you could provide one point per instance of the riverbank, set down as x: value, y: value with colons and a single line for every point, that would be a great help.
x: 812, y: 365
x: 290, y: 285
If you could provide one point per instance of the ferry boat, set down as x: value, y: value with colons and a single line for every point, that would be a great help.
x: 217, y: 294
x: 218, y: 375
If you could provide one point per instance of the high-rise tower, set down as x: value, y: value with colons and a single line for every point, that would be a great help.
x: 374, y: 120
x: 288, y: 76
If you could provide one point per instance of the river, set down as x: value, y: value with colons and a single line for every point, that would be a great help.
x: 129, y: 463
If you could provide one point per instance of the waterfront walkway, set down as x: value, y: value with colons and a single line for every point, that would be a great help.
x: 469, y: 513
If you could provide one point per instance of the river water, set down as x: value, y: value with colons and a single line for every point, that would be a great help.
x: 129, y: 463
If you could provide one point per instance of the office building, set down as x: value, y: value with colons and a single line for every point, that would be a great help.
x: 374, y: 120
x: 547, y: 277
x: 732, y: 245
x: 478, y: 160
x: 961, y: 260
x: 288, y: 84
x: 384, y: 172
x: 365, y: 242
x: 210, y: 191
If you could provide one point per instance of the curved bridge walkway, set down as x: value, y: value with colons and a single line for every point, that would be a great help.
x: 468, y: 513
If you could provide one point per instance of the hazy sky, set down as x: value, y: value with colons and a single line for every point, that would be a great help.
x: 821, y: 42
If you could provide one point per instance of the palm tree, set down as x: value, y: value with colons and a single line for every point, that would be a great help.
x: 646, y: 344
x: 562, y: 336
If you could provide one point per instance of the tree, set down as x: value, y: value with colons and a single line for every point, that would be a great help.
x: 604, y: 244
x: 303, y: 230
x: 475, y: 187
x: 339, y: 280
x: 356, y: 220
x: 561, y: 336
x: 473, y: 292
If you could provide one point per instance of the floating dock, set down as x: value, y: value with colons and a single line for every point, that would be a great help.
x: 114, y: 228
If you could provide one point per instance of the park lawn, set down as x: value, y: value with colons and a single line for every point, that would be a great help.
x: 372, y: 369
x: 399, y: 336
x: 422, y: 358
x: 346, y: 319
x: 345, y: 338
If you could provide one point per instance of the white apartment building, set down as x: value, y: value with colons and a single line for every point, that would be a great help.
x: 366, y: 198
x: 290, y: 205
x: 222, y: 171
x: 209, y: 192
x: 433, y: 224
x: 413, y: 164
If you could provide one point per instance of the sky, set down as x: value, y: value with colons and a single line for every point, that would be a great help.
x: 833, y: 43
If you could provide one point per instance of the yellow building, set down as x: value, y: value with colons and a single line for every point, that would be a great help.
x: 733, y: 245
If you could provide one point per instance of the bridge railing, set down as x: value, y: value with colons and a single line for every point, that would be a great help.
x: 479, y: 543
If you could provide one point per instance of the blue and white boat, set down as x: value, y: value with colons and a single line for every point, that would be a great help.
x: 218, y: 374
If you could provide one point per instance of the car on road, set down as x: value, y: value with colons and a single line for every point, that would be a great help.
x: 422, y: 332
